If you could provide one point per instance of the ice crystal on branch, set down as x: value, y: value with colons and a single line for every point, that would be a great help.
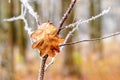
x: 25, y: 7
x: 90, y: 19
x: 76, y: 24
x: 30, y: 9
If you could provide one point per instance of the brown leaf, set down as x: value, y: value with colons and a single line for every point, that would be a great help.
x: 46, y: 40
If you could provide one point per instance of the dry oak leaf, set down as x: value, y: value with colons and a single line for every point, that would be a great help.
x: 46, y: 40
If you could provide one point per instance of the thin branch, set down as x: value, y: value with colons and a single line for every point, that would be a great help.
x: 22, y: 17
x: 42, y: 69
x: 30, y: 10
x: 50, y: 63
x: 76, y: 24
x: 88, y: 20
x: 96, y: 39
x: 14, y: 18
x: 66, y: 15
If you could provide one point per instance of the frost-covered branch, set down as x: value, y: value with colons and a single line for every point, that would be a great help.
x: 76, y: 24
x: 30, y: 9
x: 21, y: 17
x: 50, y: 63
x: 25, y: 6
x: 88, y: 20
x: 88, y: 40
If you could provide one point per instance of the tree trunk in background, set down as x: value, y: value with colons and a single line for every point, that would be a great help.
x: 96, y: 27
x: 7, y: 13
x: 69, y: 68
x: 21, y: 40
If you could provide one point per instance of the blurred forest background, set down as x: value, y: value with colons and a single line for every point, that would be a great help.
x: 98, y: 60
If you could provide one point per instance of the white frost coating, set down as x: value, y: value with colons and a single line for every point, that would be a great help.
x: 25, y: 6
x: 21, y: 17
x: 69, y: 34
x: 13, y: 19
x: 90, y: 19
x: 76, y: 24
x: 30, y: 9
x: 50, y: 63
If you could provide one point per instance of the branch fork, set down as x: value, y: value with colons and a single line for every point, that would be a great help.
x: 43, y: 68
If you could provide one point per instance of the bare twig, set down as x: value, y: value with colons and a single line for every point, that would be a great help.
x: 31, y: 10
x: 42, y: 69
x: 96, y: 39
x: 66, y: 15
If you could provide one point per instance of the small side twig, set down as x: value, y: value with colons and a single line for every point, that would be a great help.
x: 42, y: 69
x: 96, y: 39
x: 50, y: 63
x: 66, y: 15
x: 88, y: 20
